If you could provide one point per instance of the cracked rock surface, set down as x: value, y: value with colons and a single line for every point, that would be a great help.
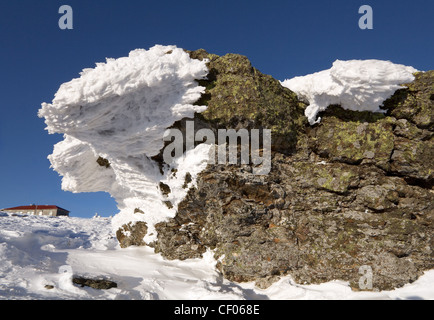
x: 354, y: 190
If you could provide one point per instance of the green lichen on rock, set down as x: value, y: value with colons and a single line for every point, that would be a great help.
x: 413, y: 152
x: 416, y: 102
x: 399, y: 142
x: 337, y: 178
x: 314, y: 221
x: 355, y: 142
x: 354, y: 190
x: 378, y: 198
x: 414, y: 159
x: 238, y: 95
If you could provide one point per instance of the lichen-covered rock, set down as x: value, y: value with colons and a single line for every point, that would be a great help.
x: 99, y: 284
x: 354, y: 190
x: 415, y: 103
x: 239, y: 96
x: 290, y: 223
x: 355, y: 142
x: 131, y: 234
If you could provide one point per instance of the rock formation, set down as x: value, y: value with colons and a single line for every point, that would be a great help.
x: 355, y: 190
x: 352, y: 192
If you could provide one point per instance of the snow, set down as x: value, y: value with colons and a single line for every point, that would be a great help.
x: 358, y: 85
x: 119, y: 111
x: 37, y: 251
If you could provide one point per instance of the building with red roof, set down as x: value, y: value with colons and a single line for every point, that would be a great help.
x: 38, y: 210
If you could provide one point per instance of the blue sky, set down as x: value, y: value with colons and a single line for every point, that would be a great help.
x: 281, y: 38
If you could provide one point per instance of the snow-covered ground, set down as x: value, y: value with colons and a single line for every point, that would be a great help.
x: 36, y: 252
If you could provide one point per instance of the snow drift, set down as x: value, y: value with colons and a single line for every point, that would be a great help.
x: 35, y: 249
x: 358, y: 85
x: 119, y: 111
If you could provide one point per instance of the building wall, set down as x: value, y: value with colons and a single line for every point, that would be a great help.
x: 61, y: 212
x: 40, y: 212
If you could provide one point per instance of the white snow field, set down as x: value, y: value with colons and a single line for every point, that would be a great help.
x: 358, y: 85
x: 40, y: 251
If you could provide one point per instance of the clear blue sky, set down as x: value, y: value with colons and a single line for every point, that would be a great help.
x: 282, y: 38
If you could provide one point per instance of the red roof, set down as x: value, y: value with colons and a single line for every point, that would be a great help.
x: 35, y: 207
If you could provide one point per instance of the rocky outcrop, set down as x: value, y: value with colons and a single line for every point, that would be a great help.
x: 131, y: 234
x: 239, y: 96
x: 99, y: 284
x: 354, y: 190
